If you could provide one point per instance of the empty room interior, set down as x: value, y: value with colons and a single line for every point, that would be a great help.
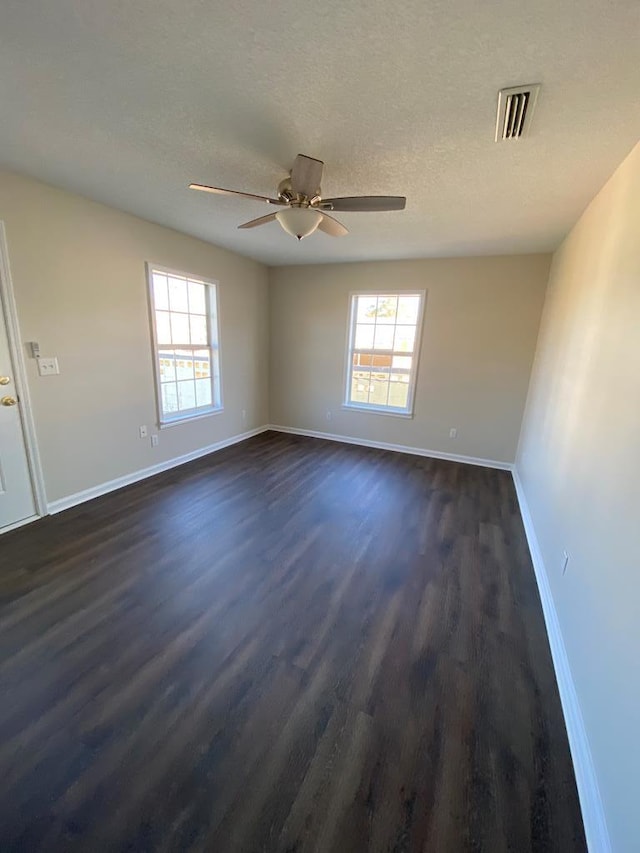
x: 320, y: 426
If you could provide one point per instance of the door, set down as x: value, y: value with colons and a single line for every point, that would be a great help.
x: 16, y: 490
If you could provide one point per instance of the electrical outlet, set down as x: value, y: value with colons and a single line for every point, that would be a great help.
x: 48, y: 366
x: 244, y: 414
x: 155, y: 440
x: 565, y: 561
x: 329, y: 415
x: 453, y: 432
x: 143, y: 431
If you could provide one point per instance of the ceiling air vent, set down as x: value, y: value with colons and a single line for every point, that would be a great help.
x: 515, y: 110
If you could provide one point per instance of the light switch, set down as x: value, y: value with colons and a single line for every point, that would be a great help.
x: 48, y: 366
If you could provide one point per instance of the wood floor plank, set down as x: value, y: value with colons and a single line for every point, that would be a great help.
x: 291, y: 645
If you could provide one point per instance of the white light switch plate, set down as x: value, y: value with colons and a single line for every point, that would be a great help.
x: 48, y: 366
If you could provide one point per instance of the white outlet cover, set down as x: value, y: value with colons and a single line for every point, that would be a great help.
x: 48, y: 366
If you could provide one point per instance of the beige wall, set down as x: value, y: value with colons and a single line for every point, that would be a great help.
x: 480, y: 326
x: 579, y: 463
x: 79, y: 279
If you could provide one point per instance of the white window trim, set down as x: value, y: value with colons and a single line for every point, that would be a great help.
x: 389, y: 411
x: 165, y: 421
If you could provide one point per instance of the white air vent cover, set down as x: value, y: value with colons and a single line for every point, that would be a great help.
x: 515, y: 110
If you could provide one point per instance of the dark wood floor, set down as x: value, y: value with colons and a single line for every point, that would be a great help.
x: 290, y: 645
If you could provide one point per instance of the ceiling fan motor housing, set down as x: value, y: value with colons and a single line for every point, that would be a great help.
x: 286, y: 193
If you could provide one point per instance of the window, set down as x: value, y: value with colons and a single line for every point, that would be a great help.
x: 384, y: 342
x: 184, y: 315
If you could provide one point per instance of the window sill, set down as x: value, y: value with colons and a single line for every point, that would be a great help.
x: 371, y: 410
x: 187, y: 418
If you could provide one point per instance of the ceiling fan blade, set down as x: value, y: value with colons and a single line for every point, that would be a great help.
x: 364, y: 203
x: 331, y: 226
x: 261, y: 220
x: 306, y: 176
x: 220, y: 191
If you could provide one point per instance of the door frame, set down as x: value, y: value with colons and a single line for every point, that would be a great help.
x: 8, y: 303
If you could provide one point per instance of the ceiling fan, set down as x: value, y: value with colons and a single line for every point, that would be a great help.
x: 304, y: 209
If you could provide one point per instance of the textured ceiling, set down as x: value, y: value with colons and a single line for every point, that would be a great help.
x: 128, y: 102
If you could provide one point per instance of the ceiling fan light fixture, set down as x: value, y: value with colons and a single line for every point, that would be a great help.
x: 299, y: 221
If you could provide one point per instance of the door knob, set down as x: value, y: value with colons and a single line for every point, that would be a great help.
x: 5, y: 380
x: 8, y: 401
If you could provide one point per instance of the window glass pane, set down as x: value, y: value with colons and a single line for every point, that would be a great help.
x: 167, y: 365
x: 383, y: 337
x: 160, y: 296
x: 184, y: 364
x: 402, y: 362
x: 197, y: 301
x: 380, y: 361
x: 178, y: 294
x: 408, y: 307
x: 362, y: 359
x: 405, y: 336
x: 169, y: 398
x: 382, y: 358
x: 366, y: 309
x: 379, y: 389
x: 198, y: 329
x: 202, y: 363
x: 364, y: 336
x: 399, y: 390
x: 187, y: 364
x: 186, y: 395
x: 163, y: 329
x: 179, y: 328
x: 387, y: 307
x: 203, y: 392
x: 360, y: 380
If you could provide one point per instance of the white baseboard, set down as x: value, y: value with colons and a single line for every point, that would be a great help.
x: 126, y: 480
x: 397, y: 448
x: 20, y: 523
x: 135, y: 476
x: 593, y: 815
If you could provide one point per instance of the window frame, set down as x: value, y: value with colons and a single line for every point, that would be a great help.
x: 388, y: 411
x: 213, y: 345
